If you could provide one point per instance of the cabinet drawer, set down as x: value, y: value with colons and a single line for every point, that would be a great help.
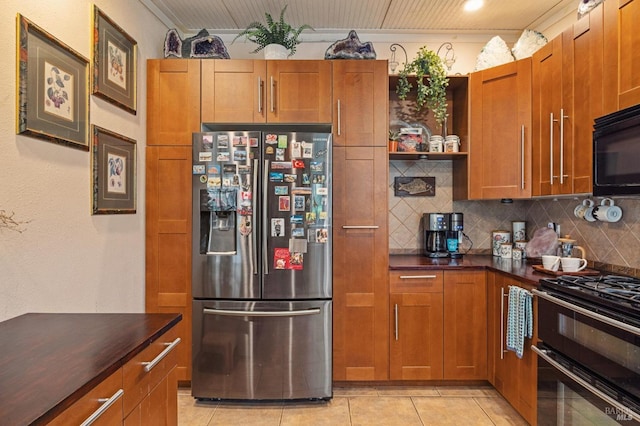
x: 416, y: 281
x: 94, y: 400
x: 137, y: 381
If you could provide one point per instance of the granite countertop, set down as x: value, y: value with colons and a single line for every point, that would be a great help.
x: 49, y: 361
x: 521, y: 270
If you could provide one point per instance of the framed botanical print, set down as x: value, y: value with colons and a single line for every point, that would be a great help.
x: 114, y: 63
x: 52, y: 88
x: 113, y: 167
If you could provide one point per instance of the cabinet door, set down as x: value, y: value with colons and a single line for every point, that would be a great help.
x: 360, y: 270
x: 360, y: 93
x: 622, y: 67
x: 168, y: 241
x: 582, y: 95
x: 416, y: 336
x: 500, y: 134
x: 233, y: 91
x: 298, y: 91
x: 551, y: 129
x: 173, y: 101
x: 465, y: 325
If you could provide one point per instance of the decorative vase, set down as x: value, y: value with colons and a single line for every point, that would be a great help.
x: 275, y: 51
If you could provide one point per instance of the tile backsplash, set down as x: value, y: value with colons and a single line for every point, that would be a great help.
x: 609, y: 244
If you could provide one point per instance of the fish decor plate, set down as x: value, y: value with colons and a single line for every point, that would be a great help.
x: 414, y: 186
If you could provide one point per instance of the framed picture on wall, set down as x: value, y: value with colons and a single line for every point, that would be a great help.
x: 53, y: 88
x: 113, y: 169
x: 114, y: 63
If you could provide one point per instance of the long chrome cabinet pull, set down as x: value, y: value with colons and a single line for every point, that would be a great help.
x: 522, y: 157
x: 259, y: 94
x: 339, y: 114
x: 502, y: 323
x: 231, y: 313
x: 622, y: 409
x: 106, y: 403
x: 360, y: 227
x: 395, y: 310
x: 273, y: 102
x: 587, y: 313
x: 417, y: 277
x: 551, y: 120
x: 562, y: 118
x: 149, y: 365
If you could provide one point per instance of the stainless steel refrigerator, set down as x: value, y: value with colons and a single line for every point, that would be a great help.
x: 262, y: 276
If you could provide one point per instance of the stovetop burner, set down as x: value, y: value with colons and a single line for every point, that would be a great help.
x: 615, y: 291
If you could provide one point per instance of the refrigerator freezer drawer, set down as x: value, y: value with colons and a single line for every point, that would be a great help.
x: 262, y: 350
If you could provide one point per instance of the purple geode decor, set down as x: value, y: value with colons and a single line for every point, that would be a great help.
x: 350, y: 48
x: 202, y: 45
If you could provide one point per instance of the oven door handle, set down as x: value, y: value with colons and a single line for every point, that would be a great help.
x: 594, y: 315
x: 542, y: 353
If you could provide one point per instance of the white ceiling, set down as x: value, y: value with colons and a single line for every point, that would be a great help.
x: 389, y: 16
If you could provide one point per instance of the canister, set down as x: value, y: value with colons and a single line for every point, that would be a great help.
x: 498, y: 237
x: 506, y: 250
x: 522, y: 245
x: 519, y: 229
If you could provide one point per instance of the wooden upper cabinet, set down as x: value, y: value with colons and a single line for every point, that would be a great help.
x: 622, y: 44
x: 359, y: 88
x: 233, y: 91
x: 500, y: 132
x: 258, y: 91
x: 173, y: 101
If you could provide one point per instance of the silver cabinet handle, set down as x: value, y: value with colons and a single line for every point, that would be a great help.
x: 149, y: 365
x: 339, y: 114
x: 231, y: 313
x: 360, y: 227
x: 551, y: 121
x: 603, y: 396
x: 587, y: 313
x: 259, y: 94
x: 106, y: 403
x: 417, y: 277
x: 395, y: 309
x: 562, y: 118
x: 273, y: 104
x: 502, y: 296
x: 522, y: 157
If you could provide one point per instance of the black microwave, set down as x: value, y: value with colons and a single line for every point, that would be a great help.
x: 616, y: 153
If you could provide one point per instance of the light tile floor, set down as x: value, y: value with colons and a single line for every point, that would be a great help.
x: 406, y: 406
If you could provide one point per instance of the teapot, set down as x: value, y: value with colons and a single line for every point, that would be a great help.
x: 567, y: 245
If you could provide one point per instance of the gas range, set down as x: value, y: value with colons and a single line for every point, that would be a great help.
x: 615, y: 292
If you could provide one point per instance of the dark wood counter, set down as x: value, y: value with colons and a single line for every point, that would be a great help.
x: 521, y: 270
x: 49, y: 361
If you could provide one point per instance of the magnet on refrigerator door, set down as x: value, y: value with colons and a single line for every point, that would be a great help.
x: 281, y: 190
x: 199, y: 169
x: 277, y: 227
x: 284, y: 203
x: 222, y: 141
x: 205, y: 156
x: 282, y: 141
x: 307, y: 150
x: 296, y: 149
x: 280, y: 154
x: 281, y: 258
x: 207, y: 141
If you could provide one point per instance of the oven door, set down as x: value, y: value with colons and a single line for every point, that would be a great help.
x: 570, y: 395
x: 597, y: 340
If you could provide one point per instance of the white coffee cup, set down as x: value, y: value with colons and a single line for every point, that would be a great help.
x: 607, y: 213
x: 550, y: 263
x: 581, y: 209
x: 573, y: 264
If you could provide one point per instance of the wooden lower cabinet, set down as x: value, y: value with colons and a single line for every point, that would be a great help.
x: 514, y: 378
x: 438, y: 328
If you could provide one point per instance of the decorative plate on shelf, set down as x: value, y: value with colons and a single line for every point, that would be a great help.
x: 426, y: 131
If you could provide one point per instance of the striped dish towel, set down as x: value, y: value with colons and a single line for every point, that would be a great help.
x: 519, y: 319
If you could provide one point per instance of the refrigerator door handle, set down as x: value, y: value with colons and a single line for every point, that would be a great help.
x: 265, y: 205
x: 232, y: 313
x: 254, y: 239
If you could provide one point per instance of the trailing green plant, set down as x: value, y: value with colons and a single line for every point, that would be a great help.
x: 431, y: 82
x: 274, y: 32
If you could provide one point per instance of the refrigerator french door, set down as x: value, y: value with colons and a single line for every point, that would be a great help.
x: 262, y: 264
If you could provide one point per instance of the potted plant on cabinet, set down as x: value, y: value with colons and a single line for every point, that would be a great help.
x: 430, y: 93
x: 278, y: 38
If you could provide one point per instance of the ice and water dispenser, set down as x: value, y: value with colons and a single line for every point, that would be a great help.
x: 218, y: 219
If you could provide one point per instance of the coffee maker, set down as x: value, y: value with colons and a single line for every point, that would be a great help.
x: 441, y: 234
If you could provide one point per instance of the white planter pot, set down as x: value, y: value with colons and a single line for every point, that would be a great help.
x: 275, y: 51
